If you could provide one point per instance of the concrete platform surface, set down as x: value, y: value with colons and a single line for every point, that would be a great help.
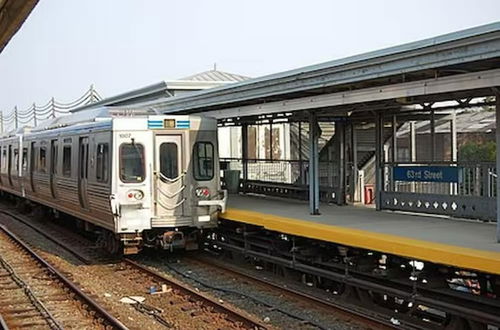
x: 465, y: 244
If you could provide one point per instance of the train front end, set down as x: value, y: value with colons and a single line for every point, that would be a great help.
x: 167, y: 191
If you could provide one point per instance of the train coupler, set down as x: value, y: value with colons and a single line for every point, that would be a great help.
x: 171, y: 240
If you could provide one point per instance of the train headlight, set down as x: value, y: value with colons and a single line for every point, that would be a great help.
x: 139, y: 195
x: 136, y: 194
x: 202, y: 192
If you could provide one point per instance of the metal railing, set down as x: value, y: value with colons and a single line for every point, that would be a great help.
x: 471, y: 196
x: 284, y: 178
x: 295, y: 172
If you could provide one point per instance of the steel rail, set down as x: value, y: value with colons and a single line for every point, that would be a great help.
x: 53, y: 323
x: 110, y: 319
x: 435, y: 301
x: 371, y: 319
x: 3, y: 324
x: 77, y: 255
x: 246, y: 319
x: 234, y: 314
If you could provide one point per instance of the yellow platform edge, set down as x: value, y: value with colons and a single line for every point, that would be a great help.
x: 451, y: 255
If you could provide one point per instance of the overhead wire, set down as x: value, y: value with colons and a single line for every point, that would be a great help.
x: 50, y: 109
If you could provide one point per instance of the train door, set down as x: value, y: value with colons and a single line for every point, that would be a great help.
x: 15, y: 167
x: 53, y: 167
x: 32, y: 165
x: 9, y: 164
x: 170, y: 177
x: 24, y: 170
x: 2, y: 161
x: 83, y: 167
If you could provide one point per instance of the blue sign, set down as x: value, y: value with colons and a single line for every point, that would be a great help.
x: 426, y: 173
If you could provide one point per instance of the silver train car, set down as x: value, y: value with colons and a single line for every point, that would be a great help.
x: 137, y: 178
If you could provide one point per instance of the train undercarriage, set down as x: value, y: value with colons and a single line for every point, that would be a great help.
x: 415, y: 292
x: 168, y: 239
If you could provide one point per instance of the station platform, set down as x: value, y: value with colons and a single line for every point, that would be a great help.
x: 459, y: 243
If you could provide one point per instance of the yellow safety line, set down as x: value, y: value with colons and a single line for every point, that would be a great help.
x: 485, y: 261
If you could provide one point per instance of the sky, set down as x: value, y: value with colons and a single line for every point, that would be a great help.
x: 119, y: 45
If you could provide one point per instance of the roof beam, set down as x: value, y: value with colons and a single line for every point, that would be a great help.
x: 449, y: 84
x: 462, y: 50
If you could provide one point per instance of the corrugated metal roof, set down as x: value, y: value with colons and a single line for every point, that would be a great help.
x: 199, y: 81
x: 215, y: 75
x: 467, y: 46
x: 474, y: 120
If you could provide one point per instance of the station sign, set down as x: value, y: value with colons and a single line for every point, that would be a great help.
x: 426, y: 173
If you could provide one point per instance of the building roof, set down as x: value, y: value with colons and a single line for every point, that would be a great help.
x: 215, y: 75
x: 469, y: 50
x: 168, y: 88
x: 472, y: 120
x: 13, y: 13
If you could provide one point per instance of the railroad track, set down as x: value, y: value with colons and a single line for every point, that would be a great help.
x: 195, y: 308
x: 36, y: 295
x: 195, y: 303
x: 371, y: 319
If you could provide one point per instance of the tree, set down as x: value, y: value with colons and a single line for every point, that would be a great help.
x: 474, y: 152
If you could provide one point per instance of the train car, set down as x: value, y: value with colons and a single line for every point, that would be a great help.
x: 137, y: 178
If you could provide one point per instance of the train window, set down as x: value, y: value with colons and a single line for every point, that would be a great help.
x: 203, y: 156
x: 169, y: 160
x: 132, y: 162
x: 16, y: 160
x: 42, y: 160
x: 102, y: 162
x: 25, y: 160
x: 4, y: 158
x: 53, y: 157
x: 66, y: 170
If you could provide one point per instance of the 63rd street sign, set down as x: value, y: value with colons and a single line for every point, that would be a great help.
x: 426, y: 173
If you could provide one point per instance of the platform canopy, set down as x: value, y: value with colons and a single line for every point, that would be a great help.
x: 13, y: 13
x: 457, y: 65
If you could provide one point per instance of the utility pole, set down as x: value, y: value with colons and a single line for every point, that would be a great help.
x: 34, y: 114
x: 15, y: 117
x: 53, y: 106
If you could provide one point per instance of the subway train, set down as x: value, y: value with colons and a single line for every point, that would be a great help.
x: 136, y: 178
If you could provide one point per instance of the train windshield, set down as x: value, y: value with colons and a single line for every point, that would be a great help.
x: 132, y: 163
x: 168, y: 160
x: 203, y: 161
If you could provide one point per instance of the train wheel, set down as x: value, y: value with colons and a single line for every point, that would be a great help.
x: 113, y: 244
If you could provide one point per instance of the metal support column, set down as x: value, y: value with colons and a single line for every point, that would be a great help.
x: 313, y: 164
x: 356, y: 189
x: 454, y: 149
x: 341, y: 159
x: 394, y: 148
x: 244, y: 153
x: 379, y: 159
x: 270, y: 140
x: 301, y: 160
x: 453, y: 137
x: 413, y: 142
x: 433, y: 136
x: 497, y: 133
x: 413, y: 149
